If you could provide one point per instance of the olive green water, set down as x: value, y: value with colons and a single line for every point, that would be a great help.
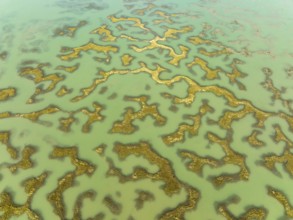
x: 123, y: 133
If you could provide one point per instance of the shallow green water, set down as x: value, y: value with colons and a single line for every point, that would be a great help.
x: 147, y: 117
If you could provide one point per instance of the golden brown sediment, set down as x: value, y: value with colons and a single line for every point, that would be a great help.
x: 166, y: 17
x: 56, y: 196
x: 252, y: 213
x: 197, y: 162
x: 25, y: 162
x: 286, y: 159
x: 179, y: 212
x: 126, y: 59
x: 77, y: 210
x: 280, y: 136
x: 179, y: 135
x: 169, y: 33
x: 65, y: 123
x: 268, y: 84
x: 76, y: 51
x: 165, y: 173
x: 81, y: 166
x: 253, y: 140
x: 69, y: 69
x: 63, y: 91
x: 93, y: 116
x: 38, y: 75
x: 105, y: 33
x: 7, y: 93
x: 9, y: 209
x: 283, y: 200
x: 231, y: 157
x: 137, y: 22
x: 210, y: 74
x: 5, y: 139
x: 126, y: 125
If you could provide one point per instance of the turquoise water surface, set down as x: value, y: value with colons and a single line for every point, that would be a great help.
x: 141, y: 109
